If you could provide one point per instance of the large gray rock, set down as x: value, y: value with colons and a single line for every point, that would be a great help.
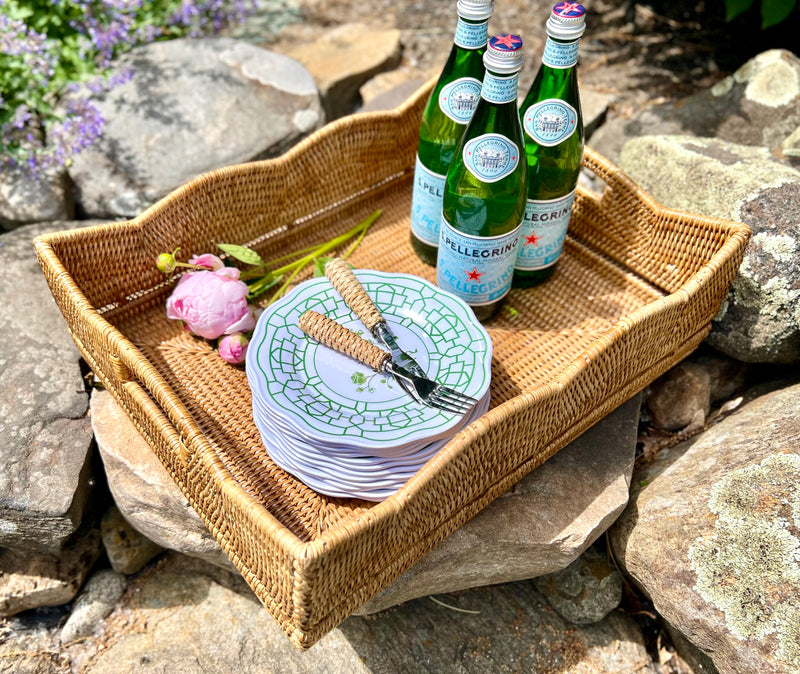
x: 541, y: 525
x: 26, y: 198
x: 758, y: 105
x: 44, y: 434
x: 186, y: 617
x: 190, y: 107
x: 712, y: 536
x: 143, y: 490
x: 30, y: 580
x: 759, y: 322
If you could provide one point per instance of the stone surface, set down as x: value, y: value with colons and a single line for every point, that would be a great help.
x: 29, y: 580
x: 143, y: 491
x: 190, y: 107
x: 191, y: 617
x: 538, y: 527
x: 712, y: 535
x: 759, y: 322
x: 344, y: 59
x: 586, y: 591
x: 26, y: 199
x: 44, y: 434
x: 95, y: 602
x: 389, y: 90
x: 127, y: 550
x: 727, y: 377
x: 675, y: 398
x: 758, y: 105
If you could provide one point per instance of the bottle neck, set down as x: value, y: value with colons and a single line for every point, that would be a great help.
x: 499, y: 89
x: 560, y: 54
x: 471, y: 34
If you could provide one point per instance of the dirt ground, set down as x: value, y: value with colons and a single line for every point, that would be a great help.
x: 642, y: 53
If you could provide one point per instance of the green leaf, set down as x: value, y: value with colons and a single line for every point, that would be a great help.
x: 775, y: 11
x: 735, y: 7
x: 241, y: 253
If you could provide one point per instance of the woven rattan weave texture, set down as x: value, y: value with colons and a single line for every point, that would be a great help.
x: 634, y: 293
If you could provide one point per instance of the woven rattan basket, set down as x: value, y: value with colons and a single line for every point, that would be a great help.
x: 634, y: 293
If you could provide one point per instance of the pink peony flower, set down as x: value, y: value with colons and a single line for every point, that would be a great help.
x: 233, y: 348
x: 212, y: 303
x: 208, y: 261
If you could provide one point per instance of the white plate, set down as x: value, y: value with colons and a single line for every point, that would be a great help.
x: 332, y: 399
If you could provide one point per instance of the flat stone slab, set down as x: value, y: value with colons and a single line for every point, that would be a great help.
x: 187, y: 616
x: 145, y: 494
x: 541, y: 526
x: 44, y: 434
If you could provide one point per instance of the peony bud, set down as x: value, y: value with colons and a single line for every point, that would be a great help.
x: 166, y: 263
x: 233, y: 348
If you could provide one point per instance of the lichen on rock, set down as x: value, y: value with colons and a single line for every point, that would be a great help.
x: 749, y: 568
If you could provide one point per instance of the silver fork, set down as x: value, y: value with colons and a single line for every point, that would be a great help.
x: 424, y: 391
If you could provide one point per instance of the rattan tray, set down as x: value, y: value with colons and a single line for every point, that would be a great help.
x: 635, y: 292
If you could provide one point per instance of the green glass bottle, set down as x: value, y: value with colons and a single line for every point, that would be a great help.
x: 553, y: 124
x: 484, y: 195
x: 449, y: 109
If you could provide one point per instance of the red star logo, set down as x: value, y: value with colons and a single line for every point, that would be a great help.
x: 474, y: 275
x: 532, y: 239
x: 510, y: 41
x: 566, y: 7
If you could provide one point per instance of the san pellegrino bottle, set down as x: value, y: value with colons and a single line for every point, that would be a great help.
x: 553, y: 124
x: 449, y: 109
x: 484, y: 195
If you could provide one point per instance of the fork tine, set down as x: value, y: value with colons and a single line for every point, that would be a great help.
x: 457, y: 395
x: 443, y: 405
x: 460, y: 406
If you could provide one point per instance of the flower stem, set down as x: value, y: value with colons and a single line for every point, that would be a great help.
x: 298, y: 265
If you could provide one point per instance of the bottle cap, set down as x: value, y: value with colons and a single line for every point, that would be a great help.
x: 475, y: 10
x: 567, y: 21
x: 504, y: 54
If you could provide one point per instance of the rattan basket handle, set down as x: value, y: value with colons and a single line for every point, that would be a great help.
x: 617, y: 182
x: 348, y: 286
x: 336, y: 336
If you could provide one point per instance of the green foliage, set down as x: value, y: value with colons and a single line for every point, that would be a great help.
x: 773, y: 12
x: 49, y: 47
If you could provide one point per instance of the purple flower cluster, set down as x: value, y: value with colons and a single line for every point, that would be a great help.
x: 210, y: 16
x: 35, y: 50
x: 32, y: 134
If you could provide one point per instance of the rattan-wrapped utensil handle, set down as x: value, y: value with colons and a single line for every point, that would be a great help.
x: 348, y: 286
x: 336, y: 336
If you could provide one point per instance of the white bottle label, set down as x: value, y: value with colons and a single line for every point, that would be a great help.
x: 471, y: 35
x: 426, y: 204
x: 459, y: 98
x: 550, y: 121
x: 560, y: 55
x: 499, y: 89
x: 490, y: 157
x: 476, y: 269
x: 544, y: 229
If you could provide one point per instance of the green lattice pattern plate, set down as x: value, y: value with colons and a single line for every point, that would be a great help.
x: 330, y: 398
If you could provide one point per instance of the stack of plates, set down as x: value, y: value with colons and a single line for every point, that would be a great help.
x: 335, y: 424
